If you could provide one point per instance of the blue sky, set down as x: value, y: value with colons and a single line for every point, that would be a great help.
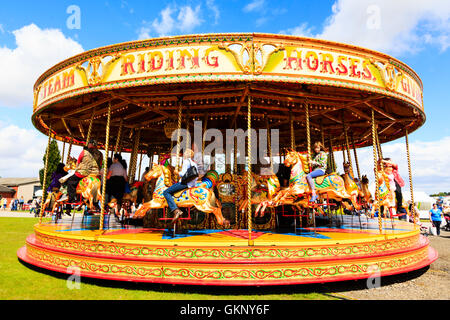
x: 416, y: 32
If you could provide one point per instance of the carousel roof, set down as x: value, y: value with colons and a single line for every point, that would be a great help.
x: 212, y: 77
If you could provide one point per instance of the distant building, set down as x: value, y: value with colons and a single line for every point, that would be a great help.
x: 11, y: 188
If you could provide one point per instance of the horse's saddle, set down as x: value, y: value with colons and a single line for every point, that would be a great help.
x: 321, y: 179
x: 179, y: 193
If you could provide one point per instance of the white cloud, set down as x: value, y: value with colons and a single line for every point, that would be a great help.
x: 1, y: 29
x: 395, y: 27
x: 255, y: 5
x: 213, y: 7
x: 186, y: 20
x: 22, y: 151
x: 37, y: 50
x: 167, y: 23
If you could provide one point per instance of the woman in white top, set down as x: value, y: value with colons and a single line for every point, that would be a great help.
x: 169, y: 192
x: 116, y: 179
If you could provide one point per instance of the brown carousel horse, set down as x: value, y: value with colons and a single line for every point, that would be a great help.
x: 330, y: 186
x: 201, y: 196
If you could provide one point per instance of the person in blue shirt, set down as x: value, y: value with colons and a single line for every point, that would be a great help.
x: 436, y: 218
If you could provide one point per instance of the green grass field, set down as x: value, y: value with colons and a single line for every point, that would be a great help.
x: 21, y: 282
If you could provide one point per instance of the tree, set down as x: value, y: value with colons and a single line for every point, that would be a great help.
x: 54, y: 159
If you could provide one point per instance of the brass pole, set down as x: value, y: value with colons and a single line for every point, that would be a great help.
x: 70, y: 149
x: 249, y: 172
x: 180, y: 107
x: 356, y: 157
x: 140, y: 165
x: 44, y: 182
x: 413, y: 207
x: 105, y: 168
x: 133, y: 159
x: 347, y: 145
x: 119, y: 137
x: 63, y: 151
x: 375, y: 169
x: 291, y: 123
x: 88, y: 137
x: 308, y: 132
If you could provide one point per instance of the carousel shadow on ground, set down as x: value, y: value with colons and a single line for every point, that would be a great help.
x: 328, y: 289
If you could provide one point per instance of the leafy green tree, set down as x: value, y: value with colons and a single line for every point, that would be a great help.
x: 54, y: 158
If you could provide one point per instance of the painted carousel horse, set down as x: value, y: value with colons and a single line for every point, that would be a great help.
x: 331, y: 185
x: 128, y: 200
x: 201, y: 196
x: 350, y: 185
x: 386, y: 198
x: 263, y: 188
x: 88, y: 187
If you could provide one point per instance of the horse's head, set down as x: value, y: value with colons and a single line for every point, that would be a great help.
x: 292, y: 158
x: 346, y: 166
x: 71, y: 164
x: 154, y: 172
x: 364, y: 180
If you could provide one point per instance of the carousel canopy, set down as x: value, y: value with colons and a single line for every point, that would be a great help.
x: 212, y: 77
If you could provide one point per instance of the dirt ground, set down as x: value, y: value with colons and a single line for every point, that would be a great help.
x: 430, y: 283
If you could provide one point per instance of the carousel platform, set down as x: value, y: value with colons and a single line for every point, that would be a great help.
x: 353, y: 250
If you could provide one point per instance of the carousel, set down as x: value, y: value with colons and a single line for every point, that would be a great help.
x: 249, y: 220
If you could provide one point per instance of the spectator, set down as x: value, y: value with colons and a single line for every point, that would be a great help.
x: 21, y: 203
x: 436, y: 218
x: 33, y: 206
x: 116, y: 179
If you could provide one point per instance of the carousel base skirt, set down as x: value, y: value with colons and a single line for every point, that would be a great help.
x: 224, y: 257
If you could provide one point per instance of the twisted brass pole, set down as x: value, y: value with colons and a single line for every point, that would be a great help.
x: 105, y: 167
x: 333, y: 169
x: 70, y: 149
x: 347, y: 145
x: 291, y: 123
x: 356, y: 157
x: 375, y: 169
x: 119, y: 137
x: 88, y: 137
x: 180, y: 107
x: 44, y: 182
x: 133, y: 160
x: 413, y: 207
x: 308, y: 132
x: 249, y: 172
x: 63, y: 151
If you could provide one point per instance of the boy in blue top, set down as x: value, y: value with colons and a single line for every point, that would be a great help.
x: 436, y: 218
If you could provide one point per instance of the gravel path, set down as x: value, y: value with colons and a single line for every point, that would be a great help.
x: 430, y: 283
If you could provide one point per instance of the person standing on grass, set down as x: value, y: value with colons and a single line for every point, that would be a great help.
x: 436, y: 218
